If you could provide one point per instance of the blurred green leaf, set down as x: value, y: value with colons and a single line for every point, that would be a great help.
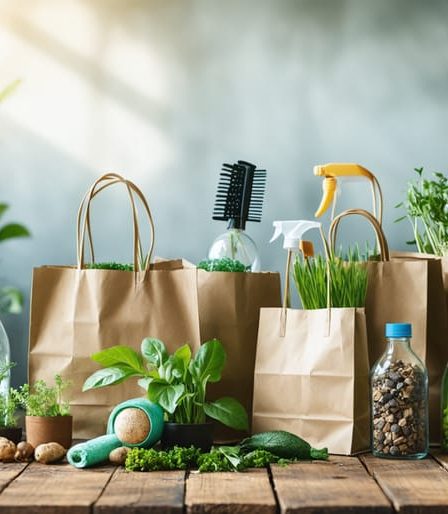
x: 9, y: 89
x: 13, y: 230
x: 11, y: 300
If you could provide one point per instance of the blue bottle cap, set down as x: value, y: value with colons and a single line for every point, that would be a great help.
x: 398, y: 330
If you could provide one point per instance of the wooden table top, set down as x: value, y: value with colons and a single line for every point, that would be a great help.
x: 342, y: 485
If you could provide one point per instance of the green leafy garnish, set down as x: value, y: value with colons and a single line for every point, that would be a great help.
x: 224, y: 264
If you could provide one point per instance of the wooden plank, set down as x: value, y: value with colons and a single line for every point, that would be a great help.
x: 340, y: 485
x: 133, y: 493
x: 8, y: 472
x: 230, y: 493
x: 441, y: 458
x: 55, y: 489
x: 413, y: 487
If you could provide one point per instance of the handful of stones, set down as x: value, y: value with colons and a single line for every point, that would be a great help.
x: 399, y: 411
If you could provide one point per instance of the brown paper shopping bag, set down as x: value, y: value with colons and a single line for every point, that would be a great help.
x: 312, y: 375
x: 408, y: 288
x: 76, y: 312
x: 229, y: 309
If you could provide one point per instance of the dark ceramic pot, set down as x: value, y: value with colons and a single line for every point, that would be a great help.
x: 14, y: 434
x: 186, y: 435
x: 56, y: 429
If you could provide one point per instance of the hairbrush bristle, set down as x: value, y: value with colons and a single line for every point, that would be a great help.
x: 240, y: 194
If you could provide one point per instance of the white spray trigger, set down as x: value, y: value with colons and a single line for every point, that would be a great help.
x: 293, y: 231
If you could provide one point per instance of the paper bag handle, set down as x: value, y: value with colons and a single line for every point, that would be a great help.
x: 381, y: 238
x: 83, y: 224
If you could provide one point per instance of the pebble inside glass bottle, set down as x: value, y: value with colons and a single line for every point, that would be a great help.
x: 399, y: 399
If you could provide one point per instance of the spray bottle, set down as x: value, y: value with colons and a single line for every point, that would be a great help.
x: 293, y: 232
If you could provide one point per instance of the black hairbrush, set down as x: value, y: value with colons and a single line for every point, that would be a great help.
x: 240, y: 194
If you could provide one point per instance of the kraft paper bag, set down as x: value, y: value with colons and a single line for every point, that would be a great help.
x: 229, y: 310
x: 312, y: 375
x: 76, y: 312
x: 311, y: 382
x: 408, y: 287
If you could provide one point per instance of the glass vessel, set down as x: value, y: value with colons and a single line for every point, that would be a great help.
x: 399, y: 399
x: 5, y: 358
x: 237, y: 245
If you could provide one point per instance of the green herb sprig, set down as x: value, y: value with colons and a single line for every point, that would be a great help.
x: 426, y: 207
x: 40, y: 399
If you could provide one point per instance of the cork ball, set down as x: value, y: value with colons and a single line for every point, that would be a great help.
x: 132, y: 426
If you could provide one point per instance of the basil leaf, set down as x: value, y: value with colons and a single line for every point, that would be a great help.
x: 229, y: 412
x: 117, y: 356
x: 154, y: 351
x: 166, y: 395
x: 209, y: 361
x: 107, y: 376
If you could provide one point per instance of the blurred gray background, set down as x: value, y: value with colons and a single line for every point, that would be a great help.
x: 164, y: 91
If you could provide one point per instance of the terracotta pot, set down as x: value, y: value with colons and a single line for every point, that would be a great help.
x: 186, y: 435
x: 14, y: 434
x: 56, y: 429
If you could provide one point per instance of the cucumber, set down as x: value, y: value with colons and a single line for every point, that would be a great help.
x: 283, y: 444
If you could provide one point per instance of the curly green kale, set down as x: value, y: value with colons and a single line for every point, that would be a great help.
x: 140, y: 459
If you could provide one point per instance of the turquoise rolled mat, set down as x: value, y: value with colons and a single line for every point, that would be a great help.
x: 96, y: 451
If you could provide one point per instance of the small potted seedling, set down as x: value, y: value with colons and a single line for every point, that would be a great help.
x: 178, y: 383
x: 47, y: 413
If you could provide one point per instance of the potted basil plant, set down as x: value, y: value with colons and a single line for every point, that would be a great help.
x: 178, y: 383
x: 48, y: 416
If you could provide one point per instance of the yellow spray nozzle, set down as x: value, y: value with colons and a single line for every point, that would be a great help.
x: 336, y: 170
x: 339, y: 169
x: 329, y: 188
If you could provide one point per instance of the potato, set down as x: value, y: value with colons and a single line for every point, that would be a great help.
x: 24, y: 452
x: 118, y: 456
x: 49, y: 452
x: 132, y: 425
x: 7, y: 450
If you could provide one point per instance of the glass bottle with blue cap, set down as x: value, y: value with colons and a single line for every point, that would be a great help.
x: 399, y: 398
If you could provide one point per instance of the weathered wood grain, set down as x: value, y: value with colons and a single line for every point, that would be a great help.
x: 54, y: 489
x: 340, y: 485
x: 159, y: 492
x: 232, y: 493
x: 413, y: 487
x: 8, y: 472
x: 441, y: 458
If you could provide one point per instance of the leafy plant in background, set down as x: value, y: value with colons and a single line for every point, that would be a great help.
x: 11, y: 299
x: 426, y: 207
x: 40, y: 399
x: 348, y: 280
x: 116, y: 266
x: 176, y: 382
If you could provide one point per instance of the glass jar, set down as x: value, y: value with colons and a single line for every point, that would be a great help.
x: 399, y: 399
x: 444, y: 416
x: 237, y: 245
